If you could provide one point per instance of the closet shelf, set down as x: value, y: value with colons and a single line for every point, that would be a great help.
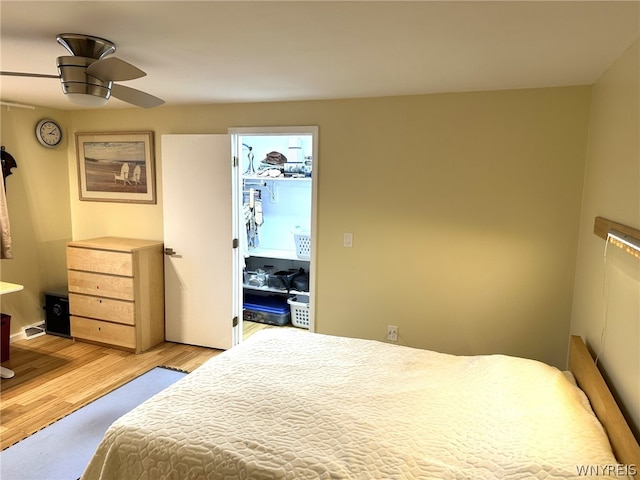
x: 256, y: 178
x: 273, y: 290
x: 269, y: 253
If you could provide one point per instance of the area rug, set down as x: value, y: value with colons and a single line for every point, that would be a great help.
x: 62, y: 450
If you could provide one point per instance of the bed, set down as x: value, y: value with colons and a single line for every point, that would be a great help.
x: 289, y: 404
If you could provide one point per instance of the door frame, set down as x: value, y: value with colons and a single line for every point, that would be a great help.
x: 234, y: 132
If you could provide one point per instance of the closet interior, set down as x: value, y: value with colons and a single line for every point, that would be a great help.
x: 276, y: 173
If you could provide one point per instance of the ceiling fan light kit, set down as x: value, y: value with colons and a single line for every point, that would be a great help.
x: 87, y: 75
x: 90, y: 97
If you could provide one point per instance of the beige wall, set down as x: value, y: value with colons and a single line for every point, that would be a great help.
x: 612, y: 190
x: 38, y: 201
x: 464, y: 216
x: 464, y: 208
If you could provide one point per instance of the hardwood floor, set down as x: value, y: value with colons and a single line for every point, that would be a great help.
x: 249, y: 328
x: 55, y: 376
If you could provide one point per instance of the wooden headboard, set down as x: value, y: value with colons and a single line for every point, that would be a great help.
x: 601, y: 227
x: 624, y: 444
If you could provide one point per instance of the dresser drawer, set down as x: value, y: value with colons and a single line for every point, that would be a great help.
x: 102, y: 285
x: 101, y: 261
x: 118, y: 311
x: 103, y: 332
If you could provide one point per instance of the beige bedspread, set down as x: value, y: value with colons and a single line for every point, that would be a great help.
x: 290, y: 404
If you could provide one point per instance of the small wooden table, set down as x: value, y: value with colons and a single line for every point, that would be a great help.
x: 6, y: 287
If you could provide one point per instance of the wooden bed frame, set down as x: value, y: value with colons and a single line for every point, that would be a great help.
x: 624, y: 444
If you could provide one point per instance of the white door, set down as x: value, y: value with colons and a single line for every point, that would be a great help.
x: 198, y: 229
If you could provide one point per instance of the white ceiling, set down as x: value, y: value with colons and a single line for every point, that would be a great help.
x: 241, y: 51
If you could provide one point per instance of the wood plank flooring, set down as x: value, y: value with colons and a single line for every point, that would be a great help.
x: 55, y: 376
x: 249, y: 328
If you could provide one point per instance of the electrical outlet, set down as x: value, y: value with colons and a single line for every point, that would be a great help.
x: 392, y: 333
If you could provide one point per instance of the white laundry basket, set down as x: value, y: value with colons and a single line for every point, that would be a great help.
x: 299, y: 311
x: 303, y: 243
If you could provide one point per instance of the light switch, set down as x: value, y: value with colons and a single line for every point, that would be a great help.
x: 348, y: 240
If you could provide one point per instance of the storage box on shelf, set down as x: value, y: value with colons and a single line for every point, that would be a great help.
x: 116, y: 292
x: 267, y: 279
x: 269, y: 309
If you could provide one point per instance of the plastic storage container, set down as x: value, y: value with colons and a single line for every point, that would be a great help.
x: 299, y: 311
x: 271, y: 310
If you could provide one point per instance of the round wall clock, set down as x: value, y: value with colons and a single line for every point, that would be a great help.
x: 49, y: 133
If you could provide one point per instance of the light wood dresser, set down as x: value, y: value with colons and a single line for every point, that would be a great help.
x: 116, y: 292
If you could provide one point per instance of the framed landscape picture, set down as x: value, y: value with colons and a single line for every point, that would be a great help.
x: 116, y: 167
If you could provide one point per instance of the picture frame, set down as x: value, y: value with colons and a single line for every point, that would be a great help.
x: 116, y: 167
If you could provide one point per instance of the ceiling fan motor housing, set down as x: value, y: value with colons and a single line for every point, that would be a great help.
x: 74, y: 78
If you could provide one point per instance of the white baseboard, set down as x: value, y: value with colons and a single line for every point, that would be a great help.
x: 17, y: 336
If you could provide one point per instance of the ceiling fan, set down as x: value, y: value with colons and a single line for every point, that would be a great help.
x: 87, y: 75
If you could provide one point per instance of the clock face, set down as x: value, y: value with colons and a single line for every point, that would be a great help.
x: 49, y: 133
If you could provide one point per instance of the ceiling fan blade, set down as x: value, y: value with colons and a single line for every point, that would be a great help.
x: 35, y: 75
x: 135, y: 97
x: 113, y: 69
